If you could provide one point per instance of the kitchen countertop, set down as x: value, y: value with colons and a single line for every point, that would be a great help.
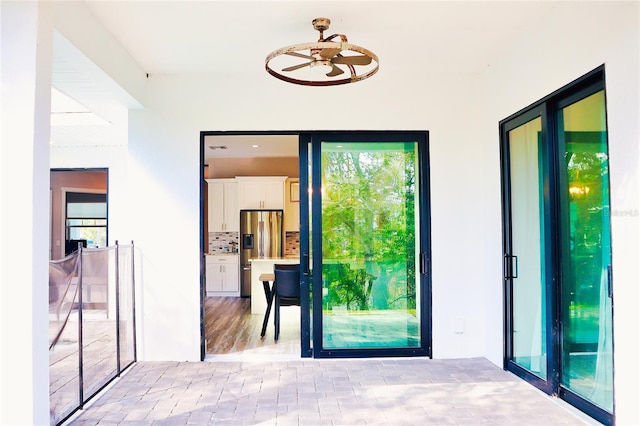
x: 222, y: 254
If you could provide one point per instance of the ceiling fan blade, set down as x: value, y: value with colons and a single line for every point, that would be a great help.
x: 329, y: 53
x: 300, y: 55
x: 297, y: 67
x: 352, y: 60
x: 334, y: 71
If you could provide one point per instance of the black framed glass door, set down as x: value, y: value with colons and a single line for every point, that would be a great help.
x: 586, y: 346
x: 557, y: 246
x: 527, y: 254
x: 365, y: 243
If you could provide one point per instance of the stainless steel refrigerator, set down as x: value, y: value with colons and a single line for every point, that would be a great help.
x: 260, y: 238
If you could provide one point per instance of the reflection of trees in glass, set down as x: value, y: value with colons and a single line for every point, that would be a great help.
x: 368, y: 226
x: 349, y: 287
x: 587, y: 168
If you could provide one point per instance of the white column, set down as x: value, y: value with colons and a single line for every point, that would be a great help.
x: 26, y: 33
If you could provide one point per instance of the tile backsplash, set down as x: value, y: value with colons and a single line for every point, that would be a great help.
x: 224, y: 242
x: 292, y: 243
x: 229, y: 242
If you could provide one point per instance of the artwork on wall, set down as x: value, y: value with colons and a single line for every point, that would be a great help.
x: 295, y: 192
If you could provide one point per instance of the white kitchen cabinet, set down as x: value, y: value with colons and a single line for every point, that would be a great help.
x: 222, y: 275
x: 257, y: 192
x: 223, y: 209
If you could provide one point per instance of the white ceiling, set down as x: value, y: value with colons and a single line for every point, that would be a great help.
x: 234, y: 37
x: 169, y: 37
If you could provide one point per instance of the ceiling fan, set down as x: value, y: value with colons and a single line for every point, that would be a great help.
x: 334, y: 57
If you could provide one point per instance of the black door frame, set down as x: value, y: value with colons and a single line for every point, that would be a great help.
x: 305, y: 320
x: 310, y: 150
x: 552, y: 157
x: 509, y: 270
x: 202, y: 187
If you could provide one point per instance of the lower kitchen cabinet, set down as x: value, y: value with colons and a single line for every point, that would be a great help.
x: 222, y: 275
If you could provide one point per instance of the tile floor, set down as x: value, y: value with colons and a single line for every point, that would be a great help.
x: 282, y: 390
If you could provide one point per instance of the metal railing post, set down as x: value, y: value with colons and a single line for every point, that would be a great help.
x: 133, y: 300
x: 118, y: 368
x: 80, y: 349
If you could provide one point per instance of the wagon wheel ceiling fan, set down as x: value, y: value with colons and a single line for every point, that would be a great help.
x: 332, y: 58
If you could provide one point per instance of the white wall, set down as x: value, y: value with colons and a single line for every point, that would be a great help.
x: 574, y: 39
x: 164, y: 144
x: 25, y: 105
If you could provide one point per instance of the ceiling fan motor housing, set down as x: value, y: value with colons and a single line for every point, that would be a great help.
x: 321, y: 24
x: 325, y: 53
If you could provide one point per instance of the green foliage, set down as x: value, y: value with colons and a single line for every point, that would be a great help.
x: 588, y: 179
x: 349, y: 287
x: 368, y: 220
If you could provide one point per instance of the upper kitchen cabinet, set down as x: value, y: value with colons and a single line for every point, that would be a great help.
x: 261, y: 192
x: 223, y: 205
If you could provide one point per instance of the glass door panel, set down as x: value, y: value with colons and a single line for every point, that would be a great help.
x: 587, y: 356
x: 526, y: 276
x: 370, y: 249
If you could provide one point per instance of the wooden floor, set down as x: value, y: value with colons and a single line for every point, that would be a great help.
x: 230, y: 328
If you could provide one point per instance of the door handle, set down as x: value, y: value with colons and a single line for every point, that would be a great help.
x: 509, y: 262
x: 305, y: 264
x: 424, y: 263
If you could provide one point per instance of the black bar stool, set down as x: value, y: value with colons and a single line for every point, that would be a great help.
x: 268, y: 294
x: 286, y: 289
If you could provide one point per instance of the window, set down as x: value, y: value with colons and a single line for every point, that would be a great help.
x: 85, y: 220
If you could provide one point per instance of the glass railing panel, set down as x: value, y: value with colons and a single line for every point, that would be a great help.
x: 64, y: 384
x: 98, y: 319
x: 86, y: 325
x: 126, y: 311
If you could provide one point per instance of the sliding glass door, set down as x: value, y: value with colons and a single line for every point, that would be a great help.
x: 525, y: 255
x: 370, y: 251
x: 586, y: 316
x: 557, y: 246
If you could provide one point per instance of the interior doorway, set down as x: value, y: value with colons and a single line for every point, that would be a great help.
x: 229, y: 327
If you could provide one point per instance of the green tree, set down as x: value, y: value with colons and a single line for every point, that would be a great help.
x: 368, y: 223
